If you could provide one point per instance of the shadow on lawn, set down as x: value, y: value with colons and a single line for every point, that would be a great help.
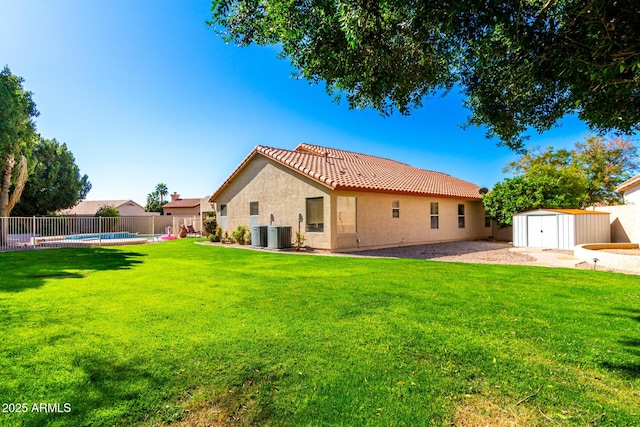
x: 111, y: 391
x: 29, y: 269
x: 632, y: 345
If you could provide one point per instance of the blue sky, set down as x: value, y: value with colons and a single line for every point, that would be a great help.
x: 144, y: 92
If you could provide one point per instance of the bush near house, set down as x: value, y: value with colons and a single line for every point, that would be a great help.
x: 108, y: 211
x: 209, y: 225
x: 242, y: 235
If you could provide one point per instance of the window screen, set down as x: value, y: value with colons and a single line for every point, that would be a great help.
x: 315, y: 214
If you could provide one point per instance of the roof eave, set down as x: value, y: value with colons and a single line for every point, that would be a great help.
x: 263, y: 151
x: 406, y: 192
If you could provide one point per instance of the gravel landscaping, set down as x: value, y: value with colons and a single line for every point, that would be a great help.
x: 477, y: 251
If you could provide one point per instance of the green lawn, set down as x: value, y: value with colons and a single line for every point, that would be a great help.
x: 178, y: 333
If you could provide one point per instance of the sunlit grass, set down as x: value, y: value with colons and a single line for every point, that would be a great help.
x: 177, y: 331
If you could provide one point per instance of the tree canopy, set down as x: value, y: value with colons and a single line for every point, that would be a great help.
x: 520, y: 64
x: 54, y: 182
x: 577, y: 178
x: 542, y: 187
x: 17, y: 137
x: 108, y: 211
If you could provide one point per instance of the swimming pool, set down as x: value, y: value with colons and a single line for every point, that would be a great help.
x: 103, y: 236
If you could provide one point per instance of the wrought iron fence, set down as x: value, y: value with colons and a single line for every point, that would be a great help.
x: 47, y: 232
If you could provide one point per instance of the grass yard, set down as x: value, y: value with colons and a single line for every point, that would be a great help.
x: 180, y: 334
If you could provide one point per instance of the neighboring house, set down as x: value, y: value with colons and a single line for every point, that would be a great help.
x: 187, y: 207
x: 630, y: 190
x: 342, y: 200
x: 90, y: 207
x: 625, y: 219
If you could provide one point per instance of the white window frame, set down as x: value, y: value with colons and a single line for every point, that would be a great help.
x: 395, y: 209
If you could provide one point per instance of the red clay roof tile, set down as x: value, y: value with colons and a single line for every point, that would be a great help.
x: 346, y: 170
x: 182, y: 203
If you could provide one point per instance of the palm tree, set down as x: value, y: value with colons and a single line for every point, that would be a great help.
x: 162, y: 191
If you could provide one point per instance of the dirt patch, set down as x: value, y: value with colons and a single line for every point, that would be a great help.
x: 481, y: 412
x: 478, y: 251
x: 225, y: 410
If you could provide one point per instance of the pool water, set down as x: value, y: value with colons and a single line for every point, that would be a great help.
x: 104, y: 236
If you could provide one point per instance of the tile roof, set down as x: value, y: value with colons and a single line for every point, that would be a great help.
x: 346, y: 170
x: 628, y: 184
x: 182, y: 203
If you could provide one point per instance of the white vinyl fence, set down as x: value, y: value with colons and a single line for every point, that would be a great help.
x: 47, y: 232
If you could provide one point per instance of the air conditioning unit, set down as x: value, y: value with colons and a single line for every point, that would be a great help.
x: 279, y: 237
x: 259, y: 236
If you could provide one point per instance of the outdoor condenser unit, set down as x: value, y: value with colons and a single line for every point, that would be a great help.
x: 279, y: 237
x: 259, y: 236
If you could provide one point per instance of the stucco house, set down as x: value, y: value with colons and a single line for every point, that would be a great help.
x: 625, y: 219
x: 183, y: 207
x: 630, y: 190
x: 90, y: 207
x: 341, y: 200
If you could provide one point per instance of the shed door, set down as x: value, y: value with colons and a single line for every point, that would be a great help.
x: 542, y: 231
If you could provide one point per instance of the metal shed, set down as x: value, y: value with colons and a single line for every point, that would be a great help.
x: 560, y: 228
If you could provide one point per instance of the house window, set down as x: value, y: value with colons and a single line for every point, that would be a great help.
x: 461, y: 215
x: 395, y: 209
x: 315, y: 215
x: 487, y: 220
x: 435, y: 220
x: 223, y: 216
x: 346, y: 214
x: 254, y: 218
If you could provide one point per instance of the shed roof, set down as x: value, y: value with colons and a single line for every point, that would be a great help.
x: 565, y: 211
x: 346, y: 170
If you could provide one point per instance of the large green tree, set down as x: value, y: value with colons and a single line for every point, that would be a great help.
x: 541, y: 187
x: 583, y: 176
x: 521, y: 64
x: 17, y: 138
x: 605, y: 164
x: 54, y: 182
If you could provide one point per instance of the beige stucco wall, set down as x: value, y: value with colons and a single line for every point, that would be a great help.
x: 625, y: 222
x: 130, y: 209
x: 278, y: 191
x: 376, y: 226
x: 283, y: 193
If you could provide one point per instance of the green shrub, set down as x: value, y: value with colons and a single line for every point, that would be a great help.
x: 242, y: 235
x: 108, y: 211
x: 215, y: 235
x: 209, y: 226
